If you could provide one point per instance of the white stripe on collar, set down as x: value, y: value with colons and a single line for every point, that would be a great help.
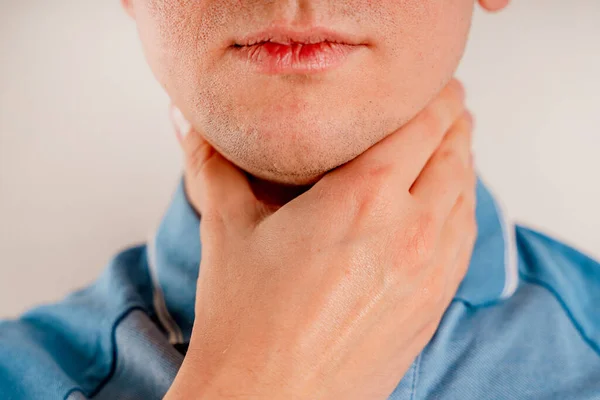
x: 511, y: 268
x: 165, y: 318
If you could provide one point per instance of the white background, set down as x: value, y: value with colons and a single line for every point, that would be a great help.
x: 88, y: 160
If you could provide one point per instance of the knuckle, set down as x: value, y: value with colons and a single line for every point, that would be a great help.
x: 377, y: 172
x: 451, y: 157
x: 457, y: 88
x: 454, y: 94
x: 453, y: 162
x: 374, y: 189
x: 433, y: 120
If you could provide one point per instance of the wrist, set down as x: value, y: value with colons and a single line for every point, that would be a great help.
x: 194, y: 381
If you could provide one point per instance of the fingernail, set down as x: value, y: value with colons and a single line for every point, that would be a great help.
x: 182, y: 126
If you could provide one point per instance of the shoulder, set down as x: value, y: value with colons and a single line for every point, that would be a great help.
x: 67, y: 346
x: 572, y: 277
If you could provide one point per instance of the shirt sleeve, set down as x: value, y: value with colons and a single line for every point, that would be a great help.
x: 55, y: 349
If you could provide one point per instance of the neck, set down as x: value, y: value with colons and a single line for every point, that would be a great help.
x: 275, y: 194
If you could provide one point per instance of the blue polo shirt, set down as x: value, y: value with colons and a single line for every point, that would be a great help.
x: 525, y: 323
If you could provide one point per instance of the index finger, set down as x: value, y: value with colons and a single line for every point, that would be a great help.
x: 493, y: 5
x: 408, y: 149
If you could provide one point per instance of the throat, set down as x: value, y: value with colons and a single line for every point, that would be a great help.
x: 274, y: 194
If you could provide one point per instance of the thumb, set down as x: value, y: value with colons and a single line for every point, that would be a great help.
x: 217, y: 189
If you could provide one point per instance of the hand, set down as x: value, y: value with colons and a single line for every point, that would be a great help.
x: 494, y: 5
x: 333, y: 295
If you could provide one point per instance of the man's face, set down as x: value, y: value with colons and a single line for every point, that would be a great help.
x: 291, y: 128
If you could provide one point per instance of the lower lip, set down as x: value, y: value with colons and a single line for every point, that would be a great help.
x: 295, y: 58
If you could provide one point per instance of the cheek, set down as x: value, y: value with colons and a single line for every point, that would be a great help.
x: 419, y: 44
x: 431, y: 34
x: 172, y: 33
x: 423, y: 43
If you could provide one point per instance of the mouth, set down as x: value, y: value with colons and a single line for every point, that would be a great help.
x: 284, y: 51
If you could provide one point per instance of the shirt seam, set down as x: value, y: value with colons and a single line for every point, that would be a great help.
x: 545, y: 285
x: 538, y: 282
x: 114, y: 354
x: 413, y: 389
x: 160, y: 306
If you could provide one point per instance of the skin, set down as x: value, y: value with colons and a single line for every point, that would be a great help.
x: 348, y: 279
x: 292, y: 129
x: 346, y: 283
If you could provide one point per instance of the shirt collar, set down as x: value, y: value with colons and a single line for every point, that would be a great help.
x: 174, y: 257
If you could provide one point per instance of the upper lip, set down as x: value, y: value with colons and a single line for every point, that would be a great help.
x: 284, y: 35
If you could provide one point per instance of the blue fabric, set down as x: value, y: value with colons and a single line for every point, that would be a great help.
x: 525, y: 323
x: 486, y: 277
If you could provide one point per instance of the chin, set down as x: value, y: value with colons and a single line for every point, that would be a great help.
x: 287, y: 159
x: 294, y: 148
x: 294, y: 127
x: 288, y: 178
x: 302, y: 172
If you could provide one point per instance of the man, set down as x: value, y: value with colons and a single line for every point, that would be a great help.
x: 336, y: 192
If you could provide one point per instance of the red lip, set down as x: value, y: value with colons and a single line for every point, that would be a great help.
x: 286, y: 51
x: 306, y: 36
